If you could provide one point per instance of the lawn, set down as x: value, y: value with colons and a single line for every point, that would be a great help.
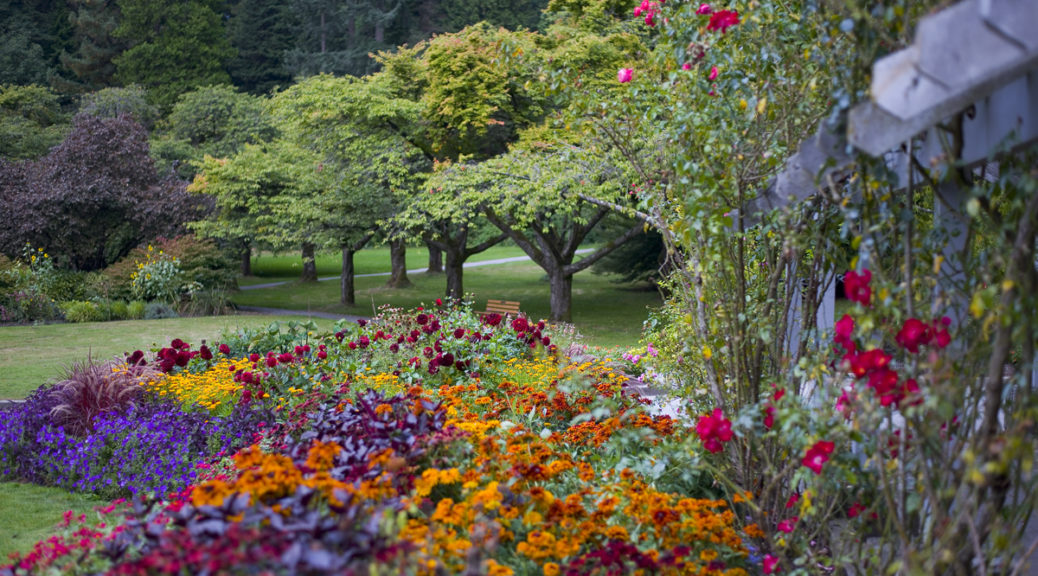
x: 267, y: 266
x: 29, y: 513
x: 605, y: 312
x: 33, y: 355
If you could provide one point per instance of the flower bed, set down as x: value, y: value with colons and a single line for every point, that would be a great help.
x: 424, y: 442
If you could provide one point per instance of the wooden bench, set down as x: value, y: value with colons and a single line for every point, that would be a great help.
x: 502, y: 307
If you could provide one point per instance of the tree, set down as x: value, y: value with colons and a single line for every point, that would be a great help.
x: 350, y: 124
x: 114, y: 102
x: 548, y: 202
x: 93, y: 197
x: 338, y: 38
x: 457, y: 14
x: 32, y: 35
x: 92, y: 61
x: 175, y: 46
x: 261, y: 195
x: 261, y: 31
x: 471, y: 102
x: 31, y: 121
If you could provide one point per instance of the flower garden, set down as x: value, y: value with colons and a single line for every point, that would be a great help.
x: 753, y: 430
x: 429, y: 442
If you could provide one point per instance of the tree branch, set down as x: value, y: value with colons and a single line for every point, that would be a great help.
x: 518, y: 237
x: 595, y: 256
x: 627, y: 211
x: 483, y: 246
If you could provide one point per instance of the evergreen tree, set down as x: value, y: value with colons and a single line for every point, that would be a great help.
x: 26, y: 42
x: 262, y: 31
x: 177, y: 45
x: 91, y: 64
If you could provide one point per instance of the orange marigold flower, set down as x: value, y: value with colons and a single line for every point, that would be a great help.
x: 551, y: 569
x: 495, y: 569
x: 753, y: 531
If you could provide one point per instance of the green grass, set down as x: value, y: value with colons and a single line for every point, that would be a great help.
x: 32, y: 355
x: 30, y: 513
x: 267, y: 266
x: 606, y: 313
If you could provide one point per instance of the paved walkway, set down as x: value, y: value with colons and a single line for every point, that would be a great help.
x: 287, y: 312
x: 415, y: 271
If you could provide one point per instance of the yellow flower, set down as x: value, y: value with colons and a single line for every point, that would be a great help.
x: 551, y: 569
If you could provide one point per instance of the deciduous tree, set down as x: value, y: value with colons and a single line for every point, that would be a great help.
x: 93, y: 197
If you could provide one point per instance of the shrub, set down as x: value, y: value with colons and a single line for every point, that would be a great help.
x: 119, y: 310
x: 200, y: 261
x: 135, y: 310
x: 206, y: 302
x: 158, y: 277
x: 26, y: 286
x: 78, y: 311
x: 157, y: 310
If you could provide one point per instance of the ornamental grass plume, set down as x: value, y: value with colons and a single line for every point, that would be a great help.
x: 89, y: 389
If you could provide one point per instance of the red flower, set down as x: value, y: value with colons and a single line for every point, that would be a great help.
x: 770, y: 564
x: 844, y: 330
x: 818, y: 455
x: 793, y: 499
x: 913, y: 334
x: 205, y: 353
x: 322, y: 354
x: 624, y: 75
x: 713, y: 429
x: 788, y: 525
x: 856, y: 286
x: 225, y: 349
x: 722, y: 20
x: 769, y: 416
x: 421, y: 319
x: 704, y: 9
x: 862, y: 364
x: 855, y: 509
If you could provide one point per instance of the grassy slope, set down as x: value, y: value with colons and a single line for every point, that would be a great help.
x: 29, y: 514
x: 32, y: 355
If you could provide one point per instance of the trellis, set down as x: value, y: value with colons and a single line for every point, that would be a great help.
x: 966, y: 90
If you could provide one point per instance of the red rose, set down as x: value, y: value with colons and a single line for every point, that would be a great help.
x: 816, y: 456
x: 856, y: 286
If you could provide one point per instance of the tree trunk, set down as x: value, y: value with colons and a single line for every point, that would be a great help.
x: 426, y: 12
x: 324, y: 34
x: 398, y: 260
x: 435, y: 260
x: 246, y: 259
x: 455, y: 264
x: 346, y: 292
x: 309, y: 264
x: 561, y: 295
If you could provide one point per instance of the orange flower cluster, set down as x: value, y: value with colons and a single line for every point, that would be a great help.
x: 268, y: 477
x: 537, y: 500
